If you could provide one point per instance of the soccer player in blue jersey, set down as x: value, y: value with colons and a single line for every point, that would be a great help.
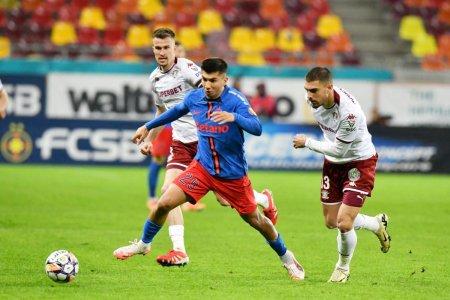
x: 221, y: 114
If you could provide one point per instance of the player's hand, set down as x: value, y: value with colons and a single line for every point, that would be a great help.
x: 222, y: 117
x: 140, y: 135
x: 299, y: 141
x: 146, y: 148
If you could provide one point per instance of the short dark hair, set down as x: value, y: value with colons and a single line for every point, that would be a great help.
x: 214, y: 64
x: 321, y: 74
x: 162, y: 33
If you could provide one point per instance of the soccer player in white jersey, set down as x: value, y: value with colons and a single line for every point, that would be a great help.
x: 349, y: 167
x: 170, y: 82
x: 3, y: 101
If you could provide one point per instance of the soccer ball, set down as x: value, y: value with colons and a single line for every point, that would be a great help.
x: 61, y: 266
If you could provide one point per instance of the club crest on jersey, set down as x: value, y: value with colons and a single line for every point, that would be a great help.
x: 354, y: 175
x: 324, y: 194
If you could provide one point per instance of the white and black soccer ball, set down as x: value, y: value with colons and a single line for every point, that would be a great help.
x: 61, y: 266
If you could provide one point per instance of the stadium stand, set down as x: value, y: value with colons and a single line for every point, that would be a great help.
x: 295, y: 32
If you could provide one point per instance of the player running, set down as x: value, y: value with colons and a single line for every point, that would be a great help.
x: 349, y: 168
x: 170, y: 82
x: 221, y: 115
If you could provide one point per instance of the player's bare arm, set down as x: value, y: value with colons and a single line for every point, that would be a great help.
x: 222, y: 117
x: 299, y: 141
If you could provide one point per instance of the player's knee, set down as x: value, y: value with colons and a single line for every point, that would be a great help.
x: 330, y: 223
x: 345, y: 225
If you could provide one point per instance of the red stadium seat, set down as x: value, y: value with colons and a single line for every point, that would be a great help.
x: 87, y: 36
x: 42, y: 17
x: 224, y: 6
x: 29, y: 5
x: 433, y: 63
x: 113, y: 35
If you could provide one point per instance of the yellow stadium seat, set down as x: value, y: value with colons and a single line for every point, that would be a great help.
x: 138, y: 36
x: 63, y: 33
x: 150, y: 8
x: 241, y: 38
x: 190, y: 37
x: 411, y: 27
x: 5, y: 47
x: 250, y: 58
x: 290, y: 40
x: 329, y: 25
x: 92, y: 16
x: 265, y: 38
x: 209, y: 20
x: 423, y: 45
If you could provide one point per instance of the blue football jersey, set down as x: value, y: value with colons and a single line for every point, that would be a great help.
x: 220, y: 146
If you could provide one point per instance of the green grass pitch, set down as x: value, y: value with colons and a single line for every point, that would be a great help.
x: 93, y: 210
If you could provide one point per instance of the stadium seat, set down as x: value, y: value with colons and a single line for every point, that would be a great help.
x: 92, y: 16
x: 339, y: 43
x: 270, y: 9
x: 13, y: 31
x: 290, y: 40
x: 199, y: 5
x: 312, y: 40
x: 433, y: 63
x: 185, y: 19
x: 3, y: 19
x: 294, y: 7
x: 18, y: 16
x: 190, y: 37
x: 248, y: 6
x: 113, y: 35
x: 232, y: 19
x: 136, y: 18
x: 328, y: 25
x: 53, y: 5
x: 174, y: 6
x: 106, y: 5
x: 42, y: 17
x: 79, y: 4
x: 29, y: 5
x: 444, y: 45
x: 306, y: 23
x: 250, y: 58
x: 424, y: 44
x: 5, y: 47
x: 124, y: 7
x: 68, y: 14
x: 320, y: 7
x: 150, y: 8
x: 240, y: 38
x: 324, y: 58
x: 255, y: 20
x: 35, y: 35
x: 224, y: 6
x: 444, y: 13
x: 138, y: 36
x: 411, y: 27
x: 209, y: 20
x: 87, y: 36
x: 264, y: 38
x: 163, y: 20
x: 63, y: 33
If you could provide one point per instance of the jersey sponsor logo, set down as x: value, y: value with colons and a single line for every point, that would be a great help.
x: 170, y: 92
x: 196, y: 112
x: 350, y: 122
x: 212, y: 129
x: 16, y: 143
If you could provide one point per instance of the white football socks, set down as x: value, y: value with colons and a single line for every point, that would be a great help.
x: 366, y: 222
x: 346, y: 243
x: 176, y: 233
x: 261, y: 199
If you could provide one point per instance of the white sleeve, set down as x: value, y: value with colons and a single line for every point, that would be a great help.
x: 336, y: 149
x: 191, y: 73
x: 1, y: 85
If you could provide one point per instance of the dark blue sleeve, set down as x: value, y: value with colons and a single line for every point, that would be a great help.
x: 172, y: 114
x: 246, y: 119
